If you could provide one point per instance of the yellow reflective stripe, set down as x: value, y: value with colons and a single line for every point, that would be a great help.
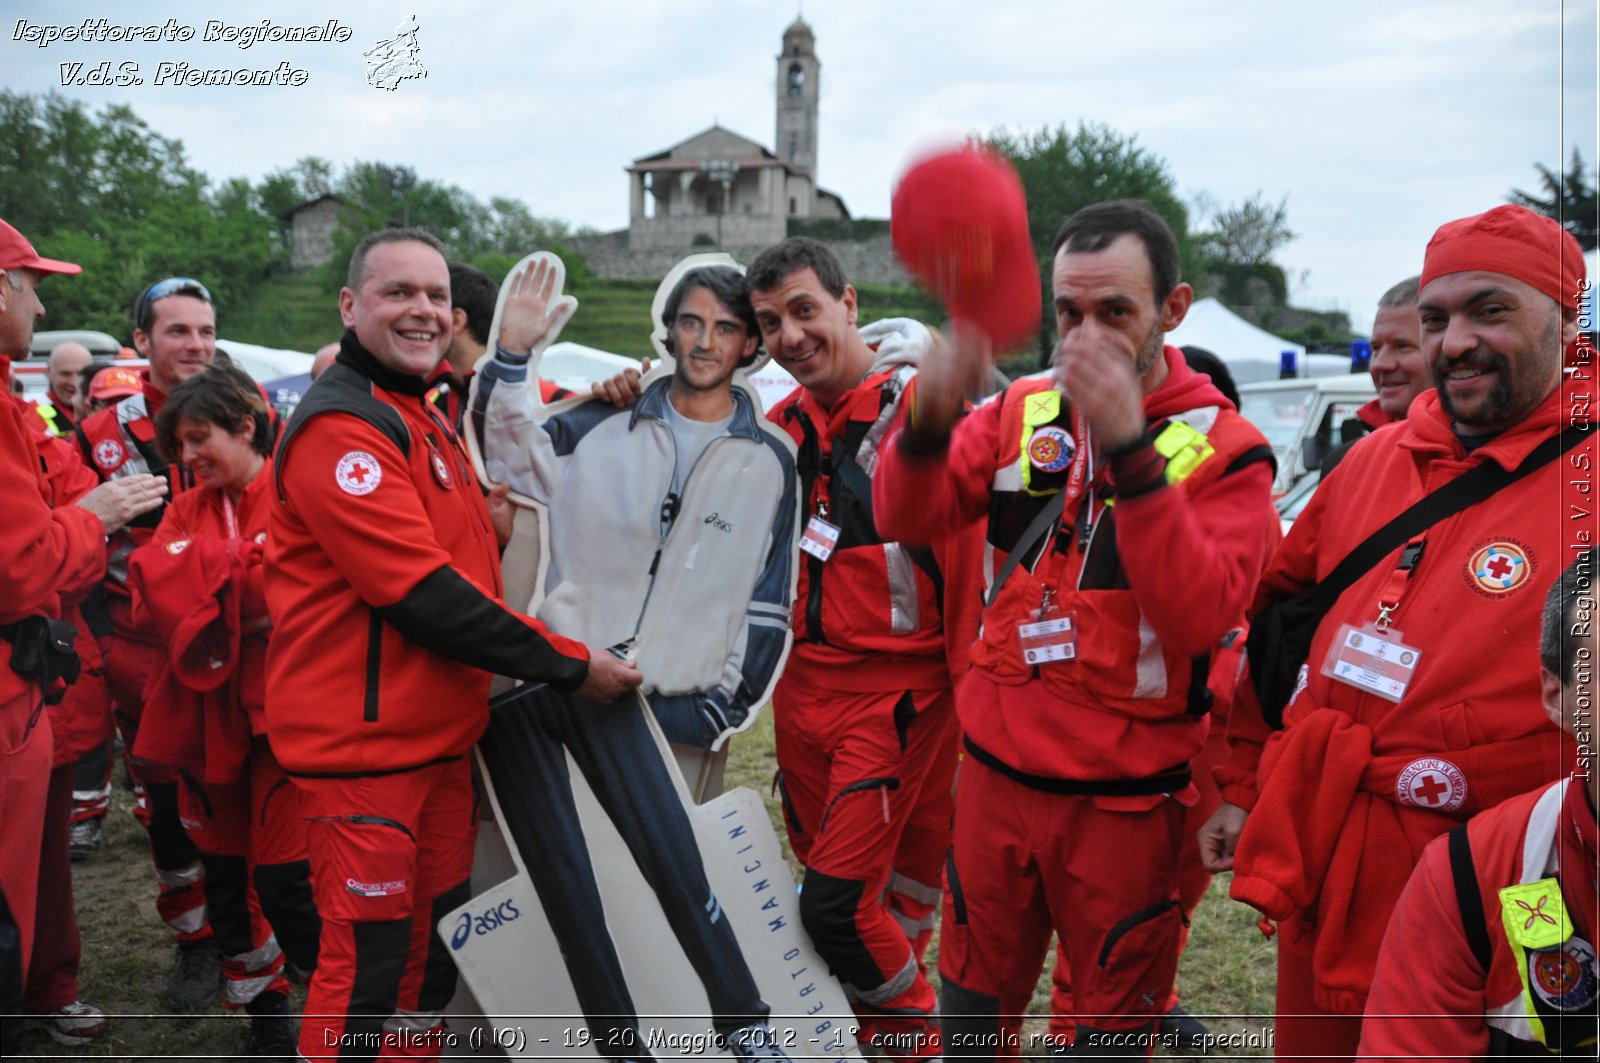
x: 48, y: 413
x: 1039, y: 408
x: 1185, y: 449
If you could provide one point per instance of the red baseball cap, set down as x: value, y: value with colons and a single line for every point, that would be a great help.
x: 959, y: 223
x: 17, y: 253
x: 116, y: 382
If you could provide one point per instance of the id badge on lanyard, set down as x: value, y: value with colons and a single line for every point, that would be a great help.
x: 1374, y: 657
x: 1051, y: 636
x: 820, y: 537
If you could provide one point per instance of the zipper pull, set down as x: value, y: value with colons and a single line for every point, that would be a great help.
x: 669, y: 512
x: 883, y: 791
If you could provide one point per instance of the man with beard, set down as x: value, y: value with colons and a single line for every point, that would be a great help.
x: 1414, y: 708
x: 1128, y: 509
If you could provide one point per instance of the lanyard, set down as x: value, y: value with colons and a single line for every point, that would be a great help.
x: 229, y: 518
x: 1398, y: 580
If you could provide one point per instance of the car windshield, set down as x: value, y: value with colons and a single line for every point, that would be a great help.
x: 1280, y: 413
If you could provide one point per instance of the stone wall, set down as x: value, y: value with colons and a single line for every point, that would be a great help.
x: 866, y: 261
x: 311, y: 234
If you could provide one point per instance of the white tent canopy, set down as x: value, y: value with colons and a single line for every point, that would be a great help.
x: 1250, y: 353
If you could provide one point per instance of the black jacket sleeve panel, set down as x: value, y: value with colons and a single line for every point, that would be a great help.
x: 445, y: 614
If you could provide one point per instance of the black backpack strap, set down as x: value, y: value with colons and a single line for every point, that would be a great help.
x: 1468, y: 489
x: 341, y: 389
x: 1468, y: 897
x: 1036, y: 530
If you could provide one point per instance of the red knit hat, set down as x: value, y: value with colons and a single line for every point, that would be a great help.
x: 959, y: 222
x: 1513, y: 241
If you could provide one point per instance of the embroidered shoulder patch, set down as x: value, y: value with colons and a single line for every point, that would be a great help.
x: 358, y: 473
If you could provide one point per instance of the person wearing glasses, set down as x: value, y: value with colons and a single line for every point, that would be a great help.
x: 673, y: 528
x: 175, y: 327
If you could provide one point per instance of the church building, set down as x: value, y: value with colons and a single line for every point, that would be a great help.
x: 721, y: 189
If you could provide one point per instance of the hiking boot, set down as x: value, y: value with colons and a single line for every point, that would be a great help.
x: 84, y: 839
x: 196, y: 975
x: 273, y: 1031
x: 756, y: 1043
x: 72, y: 1024
x: 1184, y: 1032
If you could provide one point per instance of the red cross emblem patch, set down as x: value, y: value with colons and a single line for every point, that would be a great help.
x: 1051, y: 449
x: 108, y: 454
x: 1431, y: 783
x: 1499, y: 567
x: 358, y: 473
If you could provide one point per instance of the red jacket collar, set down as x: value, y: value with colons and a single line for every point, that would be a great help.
x: 1183, y: 389
x: 1428, y: 429
x: 1373, y: 416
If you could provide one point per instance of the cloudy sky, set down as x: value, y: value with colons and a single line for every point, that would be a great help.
x: 1378, y: 119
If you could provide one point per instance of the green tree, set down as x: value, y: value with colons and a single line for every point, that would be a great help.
x: 1247, y: 233
x: 112, y: 194
x: 1064, y: 170
x: 1570, y: 198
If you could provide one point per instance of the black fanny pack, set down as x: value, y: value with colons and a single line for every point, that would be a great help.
x: 42, y: 650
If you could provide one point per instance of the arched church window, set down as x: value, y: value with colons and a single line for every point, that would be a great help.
x: 797, y: 79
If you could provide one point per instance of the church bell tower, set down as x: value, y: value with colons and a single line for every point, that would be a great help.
x: 796, y: 139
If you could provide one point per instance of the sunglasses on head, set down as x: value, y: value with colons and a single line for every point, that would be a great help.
x: 162, y: 289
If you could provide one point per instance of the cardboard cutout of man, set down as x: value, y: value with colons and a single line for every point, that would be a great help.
x: 672, y: 538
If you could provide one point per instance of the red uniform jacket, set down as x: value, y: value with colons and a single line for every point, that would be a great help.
x: 383, y: 582
x: 81, y: 720
x: 877, y: 613
x: 1185, y: 564
x: 1355, y: 785
x: 199, y: 582
x: 1432, y: 998
x: 47, y: 554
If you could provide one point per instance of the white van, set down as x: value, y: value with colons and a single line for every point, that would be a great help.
x: 1304, y: 418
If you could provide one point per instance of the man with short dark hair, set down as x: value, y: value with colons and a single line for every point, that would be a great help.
x: 1127, y: 508
x: 1510, y: 962
x: 175, y: 327
x: 1411, y: 713
x: 864, y: 715
x: 672, y: 529
x: 472, y: 299
x: 383, y: 582
x: 1399, y: 372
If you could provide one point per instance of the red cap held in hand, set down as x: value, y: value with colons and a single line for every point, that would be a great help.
x: 959, y: 222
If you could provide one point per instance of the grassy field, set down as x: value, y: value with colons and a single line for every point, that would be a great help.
x: 1226, y: 972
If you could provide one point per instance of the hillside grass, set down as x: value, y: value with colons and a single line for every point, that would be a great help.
x: 299, y: 312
